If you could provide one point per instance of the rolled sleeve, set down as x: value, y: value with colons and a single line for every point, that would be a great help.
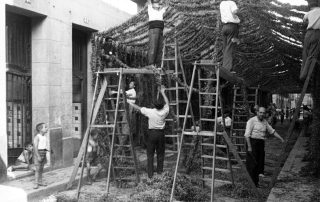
x: 248, y: 128
x: 145, y: 111
x: 270, y: 129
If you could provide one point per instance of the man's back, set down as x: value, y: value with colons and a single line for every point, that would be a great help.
x: 313, y: 17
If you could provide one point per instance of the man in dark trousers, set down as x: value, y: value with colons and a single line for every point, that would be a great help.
x: 230, y: 31
x: 156, y: 137
x: 156, y: 25
x: 256, y: 132
x: 311, y: 42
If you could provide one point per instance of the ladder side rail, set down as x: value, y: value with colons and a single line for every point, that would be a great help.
x: 126, y: 107
x: 181, y: 140
x: 233, y: 149
x: 86, y: 136
x: 176, y: 83
x: 113, y: 132
x: 215, y: 133
x: 290, y: 130
x: 95, y: 112
x: 185, y: 83
x: 200, y: 125
x: 224, y: 129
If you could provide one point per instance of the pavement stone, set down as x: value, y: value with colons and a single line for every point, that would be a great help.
x: 290, y: 185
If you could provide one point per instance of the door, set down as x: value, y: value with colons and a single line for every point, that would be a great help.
x: 18, y: 95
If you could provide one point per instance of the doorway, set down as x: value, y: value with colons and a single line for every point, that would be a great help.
x: 18, y: 78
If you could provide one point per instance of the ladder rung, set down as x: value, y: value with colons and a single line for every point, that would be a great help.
x: 216, y: 180
x: 168, y: 59
x: 171, y: 136
x: 211, y: 145
x: 124, y: 168
x: 205, y: 119
x: 183, y: 101
x: 217, y: 157
x: 103, y: 126
x: 112, y: 86
x: 175, y: 88
x: 171, y: 151
x: 239, y: 129
x: 204, y: 93
x: 209, y: 107
x: 169, y: 120
x: 122, y: 156
x: 207, y: 79
x: 183, y: 116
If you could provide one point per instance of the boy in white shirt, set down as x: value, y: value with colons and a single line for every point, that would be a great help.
x: 40, y: 151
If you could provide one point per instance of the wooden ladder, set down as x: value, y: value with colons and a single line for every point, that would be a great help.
x: 242, y: 99
x: 115, y: 108
x: 214, y: 151
x: 177, y: 92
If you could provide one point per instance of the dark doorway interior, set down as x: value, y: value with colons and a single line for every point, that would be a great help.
x: 18, y: 95
x: 79, y: 81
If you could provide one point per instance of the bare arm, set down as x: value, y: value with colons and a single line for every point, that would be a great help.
x: 26, y: 156
x: 278, y: 136
x: 135, y: 106
x: 36, y: 152
x: 162, y: 89
x: 249, y: 144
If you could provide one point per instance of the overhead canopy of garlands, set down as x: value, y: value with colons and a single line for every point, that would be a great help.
x: 271, y: 35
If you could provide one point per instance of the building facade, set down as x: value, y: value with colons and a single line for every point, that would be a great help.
x: 45, y: 73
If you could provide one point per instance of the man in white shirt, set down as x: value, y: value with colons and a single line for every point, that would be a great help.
x: 156, y: 25
x: 312, y: 38
x: 230, y: 31
x: 156, y: 137
x: 255, y: 135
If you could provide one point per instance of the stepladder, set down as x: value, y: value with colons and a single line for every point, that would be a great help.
x: 110, y: 114
x: 244, y: 99
x: 215, y: 157
x: 177, y: 91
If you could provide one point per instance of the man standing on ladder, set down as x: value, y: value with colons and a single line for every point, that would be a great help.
x: 156, y: 25
x: 230, y: 31
x: 312, y: 38
x: 256, y: 131
x: 156, y: 137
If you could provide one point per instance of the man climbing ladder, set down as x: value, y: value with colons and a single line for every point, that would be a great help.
x: 230, y: 31
x: 311, y: 39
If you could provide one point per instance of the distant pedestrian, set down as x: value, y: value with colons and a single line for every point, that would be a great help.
x: 255, y: 134
x: 40, y: 152
x: 282, y: 116
x: 287, y: 113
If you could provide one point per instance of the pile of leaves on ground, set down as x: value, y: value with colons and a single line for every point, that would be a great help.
x: 159, y: 188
